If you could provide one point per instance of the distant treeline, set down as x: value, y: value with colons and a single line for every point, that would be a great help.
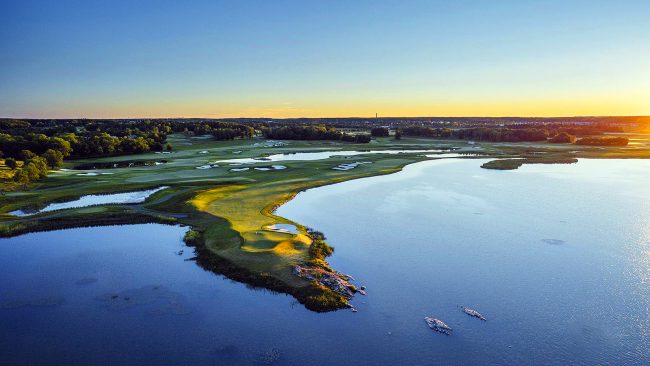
x: 81, y: 138
x: 505, y: 134
x: 298, y: 132
x: 43, y: 144
x: 51, y: 141
x: 479, y: 133
x: 603, y: 141
x: 502, y: 134
x: 218, y: 130
x: 379, y: 132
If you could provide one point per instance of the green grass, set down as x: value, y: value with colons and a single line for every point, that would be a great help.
x: 512, y: 164
x: 228, y: 211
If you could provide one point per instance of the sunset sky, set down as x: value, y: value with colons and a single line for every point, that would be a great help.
x: 99, y: 59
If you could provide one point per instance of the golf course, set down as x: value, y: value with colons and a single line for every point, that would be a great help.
x: 226, y: 193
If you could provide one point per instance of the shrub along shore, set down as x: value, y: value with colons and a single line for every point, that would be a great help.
x: 228, y: 212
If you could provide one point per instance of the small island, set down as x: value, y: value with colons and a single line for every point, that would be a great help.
x: 512, y: 164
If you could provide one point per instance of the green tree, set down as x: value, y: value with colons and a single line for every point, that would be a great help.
x: 54, y: 158
x: 379, y: 132
x: 36, y: 168
x: 59, y: 144
x: 27, y: 154
x: 562, y: 138
x: 11, y: 163
x: 33, y: 173
x: 21, y: 177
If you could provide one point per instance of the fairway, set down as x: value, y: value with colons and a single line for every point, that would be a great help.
x: 230, y: 211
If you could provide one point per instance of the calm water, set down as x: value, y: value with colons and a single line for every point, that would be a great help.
x: 321, y: 155
x: 555, y: 256
x: 96, y: 199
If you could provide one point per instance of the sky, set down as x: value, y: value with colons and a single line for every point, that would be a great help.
x: 239, y: 58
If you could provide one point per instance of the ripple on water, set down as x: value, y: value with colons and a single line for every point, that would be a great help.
x: 165, y: 300
x: 554, y: 241
x: 36, y: 302
x: 86, y: 281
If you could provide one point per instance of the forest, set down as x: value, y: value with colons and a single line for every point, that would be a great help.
x: 33, y: 147
x: 320, y: 132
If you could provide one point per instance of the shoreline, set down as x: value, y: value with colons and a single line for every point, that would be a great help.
x: 222, y: 246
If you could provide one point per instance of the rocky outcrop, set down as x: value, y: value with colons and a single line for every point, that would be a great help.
x: 438, y: 325
x: 335, y: 281
x: 473, y: 313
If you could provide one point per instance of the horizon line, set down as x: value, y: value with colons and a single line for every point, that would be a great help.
x: 345, y: 117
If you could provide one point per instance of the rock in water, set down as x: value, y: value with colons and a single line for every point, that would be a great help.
x: 335, y: 281
x: 473, y: 313
x: 438, y: 325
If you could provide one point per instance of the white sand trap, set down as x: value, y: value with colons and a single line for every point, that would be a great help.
x: 351, y: 165
x: 283, y: 228
x: 92, y: 174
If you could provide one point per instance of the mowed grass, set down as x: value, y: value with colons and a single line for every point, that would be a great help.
x: 6, y: 175
x: 233, y: 209
x: 248, y: 209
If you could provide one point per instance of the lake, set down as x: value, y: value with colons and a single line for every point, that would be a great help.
x: 555, y: 256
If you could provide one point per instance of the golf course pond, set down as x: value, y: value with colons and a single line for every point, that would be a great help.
x: 321, y: 155
x: 95, y: 199
x: 555, y: 257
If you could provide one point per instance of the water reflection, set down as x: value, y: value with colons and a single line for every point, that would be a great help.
x: 437, y: 236
x: 95, y: 199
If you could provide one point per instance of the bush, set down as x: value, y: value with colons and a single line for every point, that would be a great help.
x: 11, y: 163
x: 562, y: 138
x: 379, y: 132
x: 192, y: 237
x: 603, y: 141
x: 54, y: 158
x: 360, y: 139
x: 27, y: 154
x: 319, y: 249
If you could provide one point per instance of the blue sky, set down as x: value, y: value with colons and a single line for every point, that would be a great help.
x: 323, y: 58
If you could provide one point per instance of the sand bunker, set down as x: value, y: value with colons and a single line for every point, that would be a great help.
x: 351, y: 165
